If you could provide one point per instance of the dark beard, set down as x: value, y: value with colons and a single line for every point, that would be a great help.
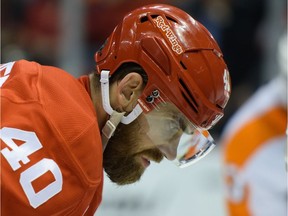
x: 122, y: 156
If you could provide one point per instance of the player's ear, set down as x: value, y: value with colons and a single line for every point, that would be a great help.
x: 128, y: 90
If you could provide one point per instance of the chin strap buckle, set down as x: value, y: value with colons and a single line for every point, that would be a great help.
x: 110, y: 127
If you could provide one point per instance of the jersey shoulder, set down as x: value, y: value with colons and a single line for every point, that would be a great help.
x: 19, y: 80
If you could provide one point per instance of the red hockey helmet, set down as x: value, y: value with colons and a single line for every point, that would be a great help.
x: 184, y: 64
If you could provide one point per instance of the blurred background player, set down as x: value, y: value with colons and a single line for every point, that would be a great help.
x: 255, y: 147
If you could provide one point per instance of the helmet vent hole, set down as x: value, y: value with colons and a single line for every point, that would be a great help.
x: 188, y: 96
x: 183, y: 65
x: 143, y: 19
x: 171, y: 19
x: 191, y: 104
x: 217, y: 105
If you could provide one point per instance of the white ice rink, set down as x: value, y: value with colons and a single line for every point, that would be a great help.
x: 166, y: 190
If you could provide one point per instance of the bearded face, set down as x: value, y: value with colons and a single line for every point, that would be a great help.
x: 129, y: 152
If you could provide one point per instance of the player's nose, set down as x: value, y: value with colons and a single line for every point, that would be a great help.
x: 169, y: 151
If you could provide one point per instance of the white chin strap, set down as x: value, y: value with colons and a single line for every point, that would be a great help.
x: 115, y: 117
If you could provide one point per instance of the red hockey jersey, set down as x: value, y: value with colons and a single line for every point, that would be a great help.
x: 51, y: 151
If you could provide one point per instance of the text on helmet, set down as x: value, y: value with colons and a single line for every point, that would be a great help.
x: 165, y: 28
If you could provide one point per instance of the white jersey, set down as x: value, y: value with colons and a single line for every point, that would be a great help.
x: 254, y: 143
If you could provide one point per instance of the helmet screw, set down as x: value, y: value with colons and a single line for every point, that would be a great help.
x: 155, y: 93
x: 150, y: 99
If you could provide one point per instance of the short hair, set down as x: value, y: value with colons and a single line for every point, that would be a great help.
x: 127, y: 68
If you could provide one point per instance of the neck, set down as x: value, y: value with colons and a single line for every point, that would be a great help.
x: 97, y: 100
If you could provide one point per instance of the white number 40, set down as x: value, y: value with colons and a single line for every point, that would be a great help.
x: 19, y: 153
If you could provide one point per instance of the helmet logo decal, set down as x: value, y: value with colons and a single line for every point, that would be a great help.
x: 165, y: 28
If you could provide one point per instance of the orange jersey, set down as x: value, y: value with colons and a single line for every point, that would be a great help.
x: 51, y: 151
x: 254, y: 151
